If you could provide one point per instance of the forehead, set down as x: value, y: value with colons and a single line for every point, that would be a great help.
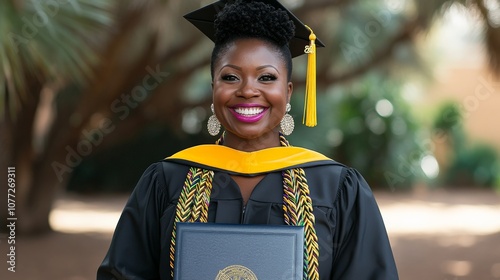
x: 250, y: 50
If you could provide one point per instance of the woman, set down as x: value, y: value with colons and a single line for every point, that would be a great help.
x: 251, y: 175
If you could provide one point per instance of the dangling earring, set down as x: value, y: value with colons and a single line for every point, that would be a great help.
x: 213, y: 124
x: 287, y: 124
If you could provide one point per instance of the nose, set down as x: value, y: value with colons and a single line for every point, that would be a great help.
x: 248, y: 89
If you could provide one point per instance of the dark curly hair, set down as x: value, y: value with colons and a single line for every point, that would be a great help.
x: 253, y: 19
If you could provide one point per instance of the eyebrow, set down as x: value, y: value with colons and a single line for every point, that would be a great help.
x: 266, y: 66
x: 258, y: 68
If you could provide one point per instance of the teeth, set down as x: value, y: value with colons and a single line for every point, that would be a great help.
x: 249, y: 111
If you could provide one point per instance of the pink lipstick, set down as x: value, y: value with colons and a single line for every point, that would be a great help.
x: 248, y: 113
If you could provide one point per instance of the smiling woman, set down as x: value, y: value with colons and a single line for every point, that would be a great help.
x: 252, y: 175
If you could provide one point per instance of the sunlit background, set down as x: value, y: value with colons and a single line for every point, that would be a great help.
x: 93, y: 91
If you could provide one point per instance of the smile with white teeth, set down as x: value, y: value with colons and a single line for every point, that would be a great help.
x: 249, y: 111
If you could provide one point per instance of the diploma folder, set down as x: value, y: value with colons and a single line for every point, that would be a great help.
x: 236, y: 251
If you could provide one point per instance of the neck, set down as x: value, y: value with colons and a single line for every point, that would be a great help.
x: 269, y: 140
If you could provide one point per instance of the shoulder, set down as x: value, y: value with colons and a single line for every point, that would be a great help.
x: 332, y: 173
x: 164, y: 171
x: 332, y: 182
x: 161, y: 179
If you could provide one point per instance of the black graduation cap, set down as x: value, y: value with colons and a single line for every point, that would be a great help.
x: 204, y: 18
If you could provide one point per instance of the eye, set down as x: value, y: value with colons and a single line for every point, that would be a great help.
x: 230, y: 77
x: 267, y: 77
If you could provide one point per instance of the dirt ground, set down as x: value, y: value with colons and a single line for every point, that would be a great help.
x: 436, y: 235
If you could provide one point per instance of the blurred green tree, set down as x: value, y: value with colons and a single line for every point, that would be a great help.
x: 79, y: 76
x: 376, y: 133
x: 44, y: 45
x: 469, y: 164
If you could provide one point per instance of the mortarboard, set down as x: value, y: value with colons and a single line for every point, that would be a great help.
x: 304, y: 41
x: 204, y: 17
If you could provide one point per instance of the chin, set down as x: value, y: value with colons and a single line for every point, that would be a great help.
x: 254, y: 134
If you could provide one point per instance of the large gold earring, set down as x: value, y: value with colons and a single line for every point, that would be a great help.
x: 287, y: 124
x: 213, y: 124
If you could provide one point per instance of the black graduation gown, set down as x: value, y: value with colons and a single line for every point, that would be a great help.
x: 353, y: 242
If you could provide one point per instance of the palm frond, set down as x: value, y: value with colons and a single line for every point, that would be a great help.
x: 48, y: 40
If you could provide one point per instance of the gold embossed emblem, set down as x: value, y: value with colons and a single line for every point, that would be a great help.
x: 236, y: 272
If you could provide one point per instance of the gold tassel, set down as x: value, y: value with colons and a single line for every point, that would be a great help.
x: 310, y: 118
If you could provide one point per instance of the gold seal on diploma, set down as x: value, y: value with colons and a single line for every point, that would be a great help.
x: 236, y: 272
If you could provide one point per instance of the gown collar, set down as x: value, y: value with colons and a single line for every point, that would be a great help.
x: 234, y: 161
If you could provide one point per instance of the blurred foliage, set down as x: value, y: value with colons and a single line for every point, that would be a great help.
x: 33, y: 30
x: 448, y: 118
x: 375, y: 132
x: 469, y: 164
x: 478, y: 165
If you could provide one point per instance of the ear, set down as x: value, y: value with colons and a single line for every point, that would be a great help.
x: 289, y: 92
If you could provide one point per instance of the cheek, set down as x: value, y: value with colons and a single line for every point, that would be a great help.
x: 220, y: 97
x: 279, y: 97
x: 220, y: 93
